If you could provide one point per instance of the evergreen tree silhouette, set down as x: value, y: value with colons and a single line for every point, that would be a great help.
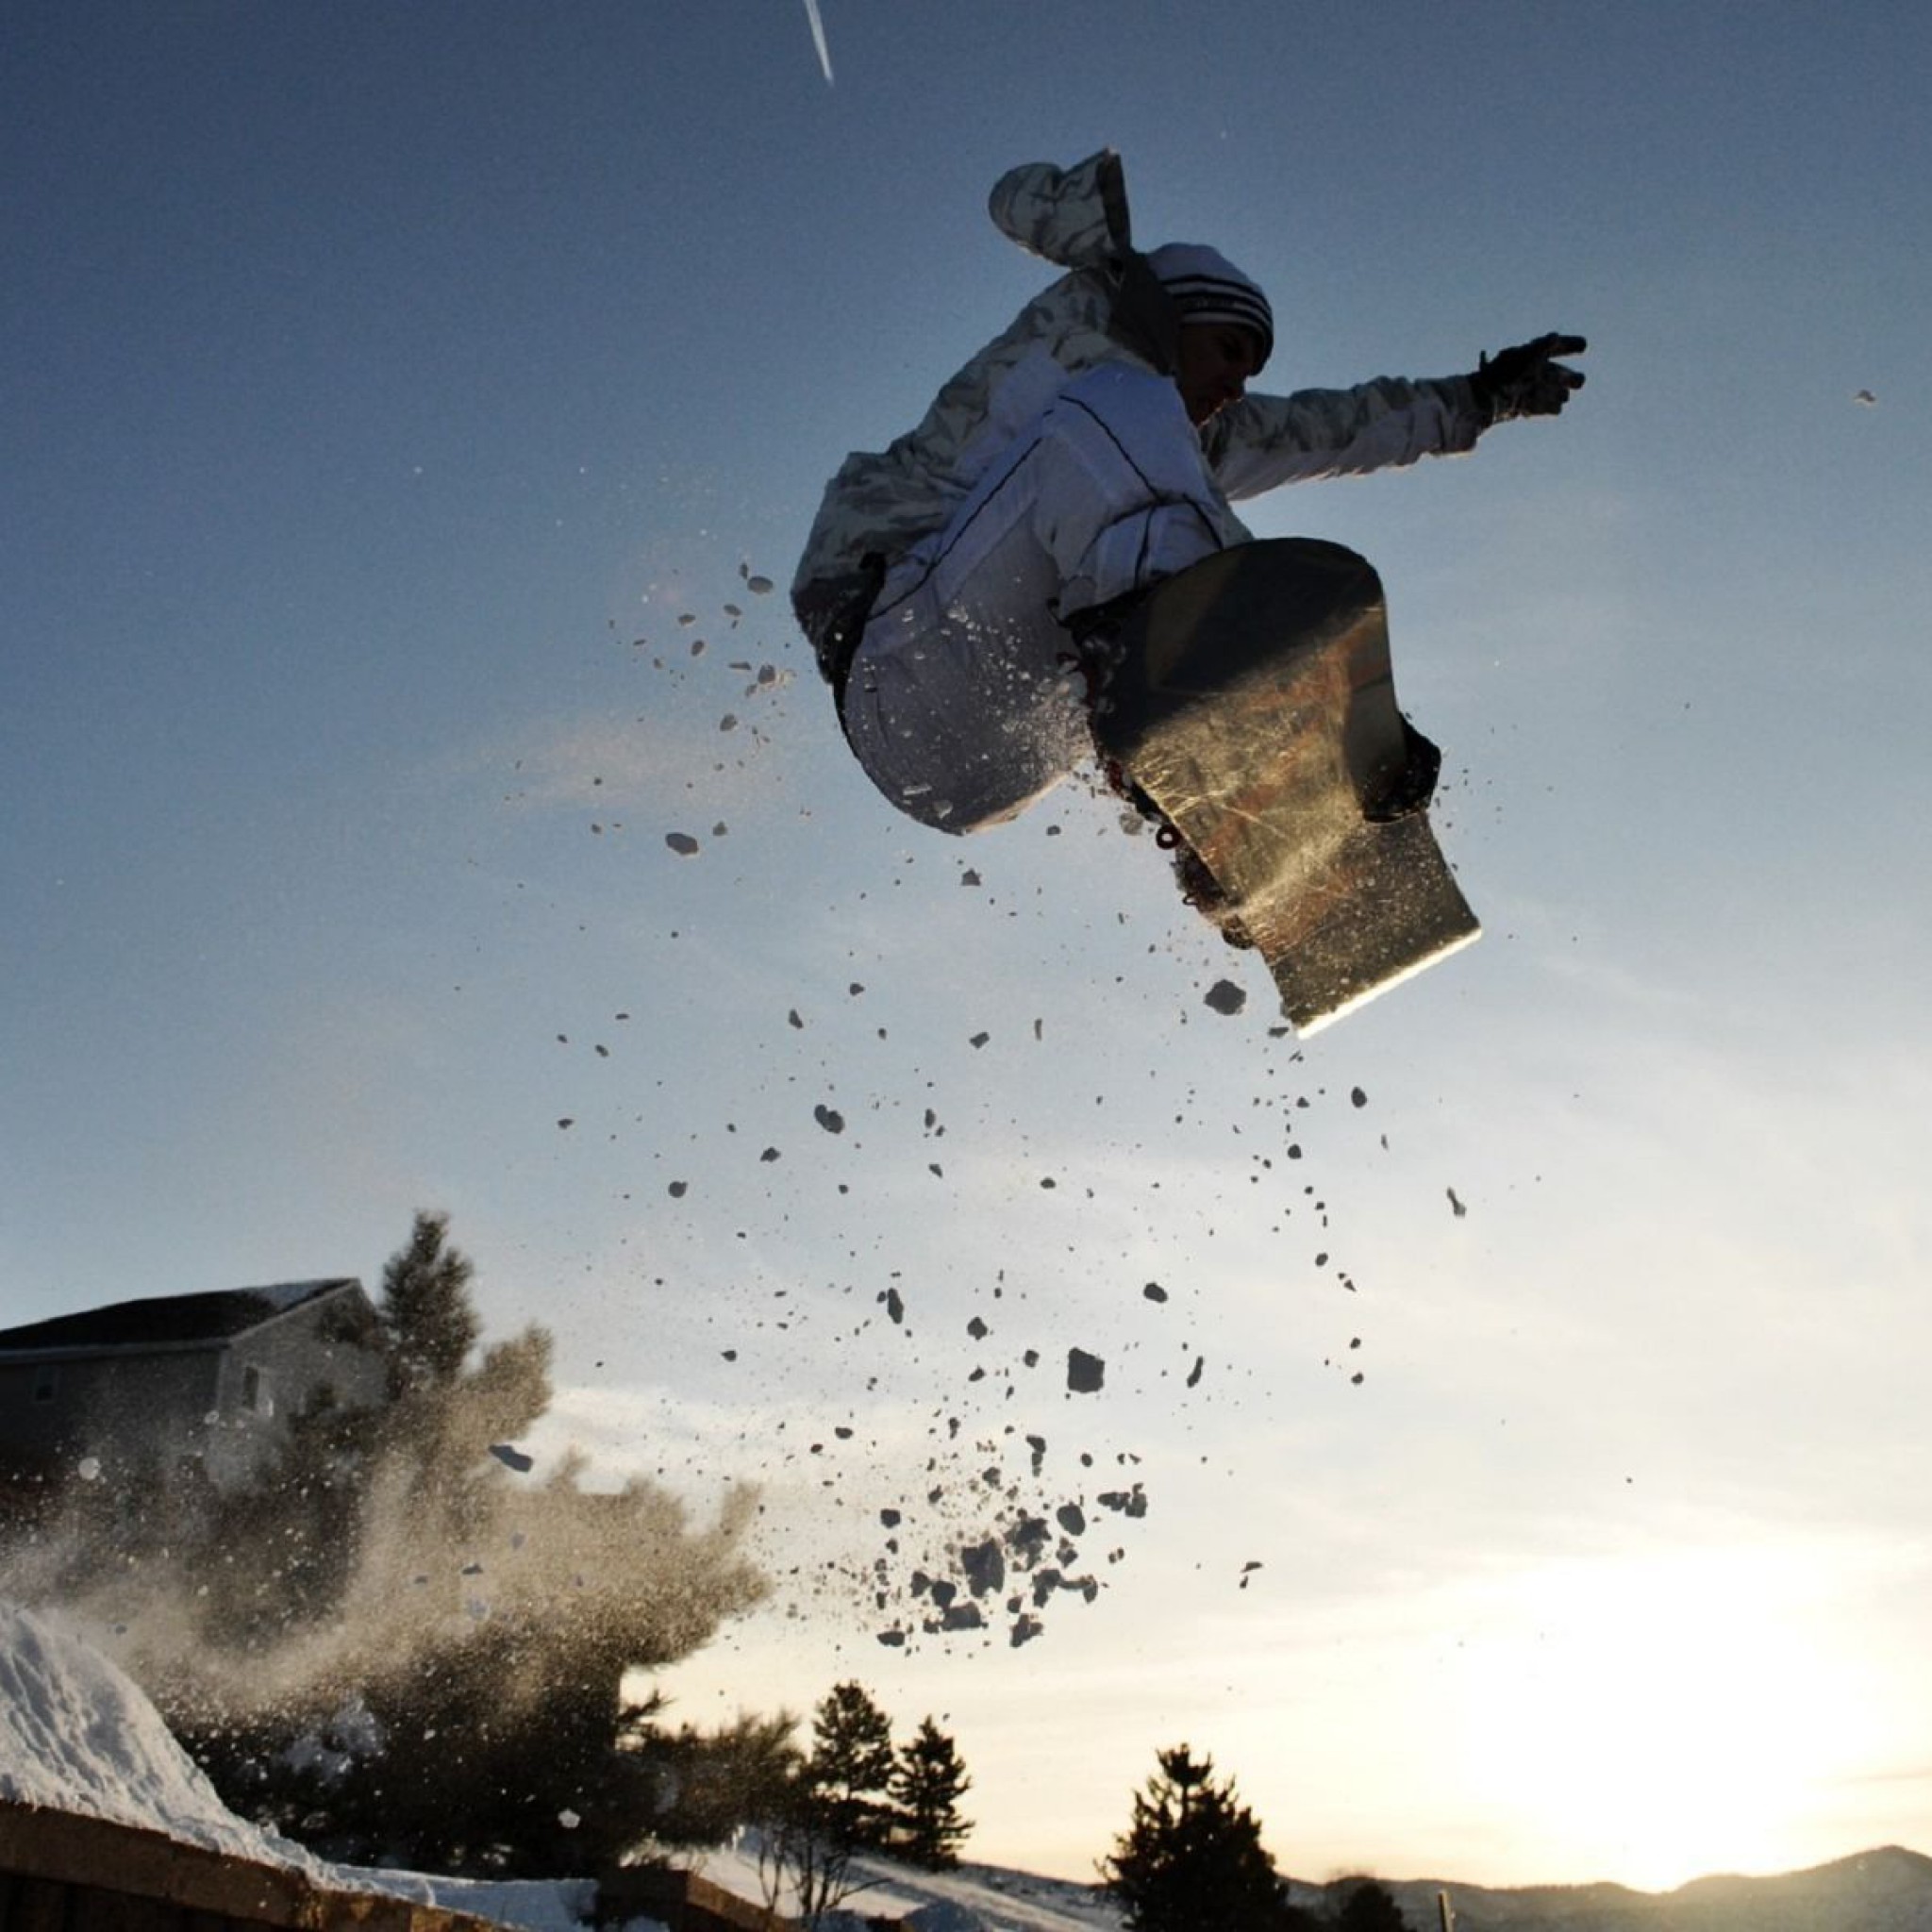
x: 928, y: 1781
x: 1371, y: 1907
x: 850, y: 1767
x: 1192, y: 1857
x: 428, y: 1323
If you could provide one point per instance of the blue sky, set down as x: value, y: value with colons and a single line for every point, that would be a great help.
x: 384, y: 389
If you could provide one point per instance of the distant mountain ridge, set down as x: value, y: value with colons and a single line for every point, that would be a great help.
x: 1887, y: 1890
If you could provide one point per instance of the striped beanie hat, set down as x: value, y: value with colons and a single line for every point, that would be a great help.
x: 1205, y: 285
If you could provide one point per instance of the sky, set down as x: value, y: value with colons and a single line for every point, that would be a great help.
x: 412, y: 418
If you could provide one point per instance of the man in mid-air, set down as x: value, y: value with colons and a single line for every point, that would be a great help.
x: 958, y: 586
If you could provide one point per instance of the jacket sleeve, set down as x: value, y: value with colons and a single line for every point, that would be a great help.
x: 1261, y: 442
x: 1076, y: 217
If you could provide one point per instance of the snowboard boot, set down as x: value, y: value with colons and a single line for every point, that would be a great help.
x: 1098, y: 653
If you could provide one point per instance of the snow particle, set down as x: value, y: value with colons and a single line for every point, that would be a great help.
x: 985, y: 1568
x: 682, y: 844
x: 1085, y: 1372
x: 1224, y: 996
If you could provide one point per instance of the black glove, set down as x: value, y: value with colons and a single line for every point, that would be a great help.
x: 1527, y: 380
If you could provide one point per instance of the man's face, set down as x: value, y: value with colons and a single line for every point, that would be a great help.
x: 1216, y: 359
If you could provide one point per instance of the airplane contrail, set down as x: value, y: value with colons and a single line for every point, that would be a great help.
x: 818, y: 37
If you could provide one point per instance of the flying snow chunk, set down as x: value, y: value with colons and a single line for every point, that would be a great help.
x: 1865, y: 397
x: 1085, y: 1372
x: 1224, y: 996
x: 512, y: 1457
x: 682, y: 844
x: 829, y: 1118
x: 985, y: 1568
x: 89, y: 1469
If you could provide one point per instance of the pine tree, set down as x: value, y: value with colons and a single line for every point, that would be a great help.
x: 851, y: 1766
x: 1371, y: 1907
x: 1194, y: 1856
x: 928, y: 1781
x: 428, y: 1323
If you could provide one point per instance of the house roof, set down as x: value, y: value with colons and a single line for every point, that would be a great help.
x: 169, y: 1320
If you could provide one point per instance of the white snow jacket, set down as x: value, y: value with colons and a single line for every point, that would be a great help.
x: 1110, y: 308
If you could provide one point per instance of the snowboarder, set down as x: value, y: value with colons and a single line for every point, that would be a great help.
x: 955, y: 586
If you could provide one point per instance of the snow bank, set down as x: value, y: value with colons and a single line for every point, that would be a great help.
x: 971, y: 1898
x: 76, y: 1735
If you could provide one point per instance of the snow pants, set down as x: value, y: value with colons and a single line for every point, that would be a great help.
x: 965, y: 700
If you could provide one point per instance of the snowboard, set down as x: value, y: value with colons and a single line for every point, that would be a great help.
x: 1252, y: 704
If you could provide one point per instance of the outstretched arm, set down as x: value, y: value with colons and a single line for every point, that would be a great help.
x: 1262, y: 441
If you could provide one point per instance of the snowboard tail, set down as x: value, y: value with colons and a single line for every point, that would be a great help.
x: 1253, y: 704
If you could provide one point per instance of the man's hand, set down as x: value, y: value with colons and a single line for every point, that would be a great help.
x: 1527, y: 380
